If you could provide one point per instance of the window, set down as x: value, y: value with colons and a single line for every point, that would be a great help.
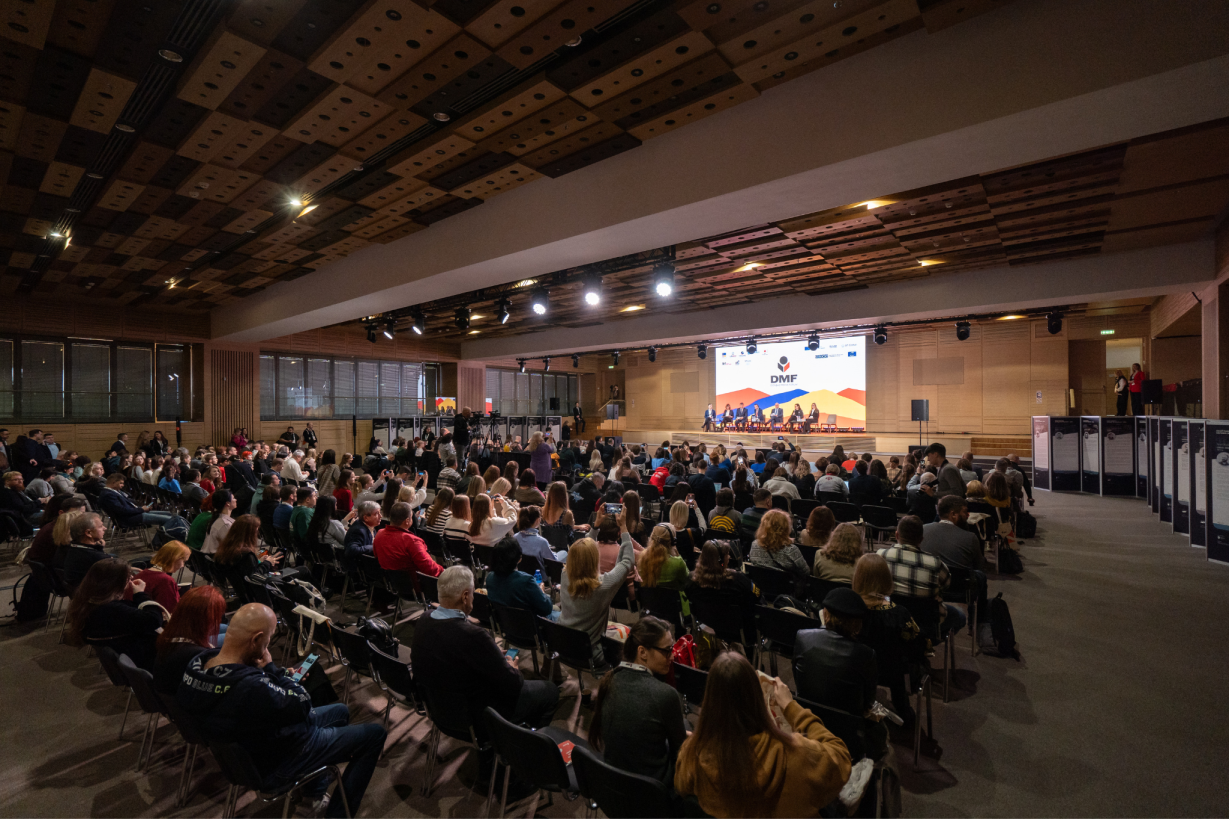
x: 343, y: 388
x: 42, y: 380
x: 268, y: 388
x: 390, y: 388
x: 7, y: 384
x: 312, y: 387
x: 367, y: 401
x: 290, y: 386
x: 91, y: 385
x: 134, y: 378
x: 319, y: 401
x: 174, y: 382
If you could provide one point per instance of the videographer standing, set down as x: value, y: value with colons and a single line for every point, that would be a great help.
x: 460, y: 433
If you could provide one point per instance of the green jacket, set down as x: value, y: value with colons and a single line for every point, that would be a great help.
x: 198, y: 530
x: 300, y: 519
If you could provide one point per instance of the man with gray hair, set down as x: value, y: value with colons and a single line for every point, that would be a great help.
x: 361, y: 534
x: 452, y: 654
x: 87, y: 548
x: 292, y: 473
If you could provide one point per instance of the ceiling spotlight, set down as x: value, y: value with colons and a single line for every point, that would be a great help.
x: 652, y: 354
x: 881, y: 334
x: 752, y: 347
x: 503, y: 309
x: 702, y: 352
x: 1054, y: 322
x: 461, y: 318
x: 390, y: 329
x: 663, y: 280
x: 546, y: 364
x: 440, y: 116
x: 962, y: 331
x: 521, y: 361
x: 572, y: 43
x: 615, y: 356
x: 575, y: 361
x: 93, y: 175
x: 813, y: 343
x: 307, y: 210
x: 420, y: 323
x: 125, y: 127
x: 296, y: 202
x: 371, y: 333
x: 539, y: 301
x: 593, y: 291
x: 170, y: 56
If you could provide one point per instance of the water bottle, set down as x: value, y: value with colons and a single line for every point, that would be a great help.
x: 537, y: 577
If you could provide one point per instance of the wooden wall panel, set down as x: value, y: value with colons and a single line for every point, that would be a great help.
x: 233, y: 397
x: 471, y: 387
x: 94, y: 439
x: 333, y: 435
x: 652, y: 400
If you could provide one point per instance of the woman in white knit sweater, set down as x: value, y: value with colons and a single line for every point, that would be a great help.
x: 486, y: 528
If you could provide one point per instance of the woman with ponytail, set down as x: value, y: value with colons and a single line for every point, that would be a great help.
x: 638, y: 719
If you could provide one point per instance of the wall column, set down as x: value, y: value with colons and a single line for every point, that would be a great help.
x: 1215, y: 344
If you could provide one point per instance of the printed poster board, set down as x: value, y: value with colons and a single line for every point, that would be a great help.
x: 1181, y: 448
x: 1217, y: 464
x: 1141, y: 458
x: 1065, y: 453
x: 1199, y: 483
x: 1154, y: 464
x: 1166, y: 460
x: 1118, y: 456
x: 1090, y: 454
x: 1041, y: 452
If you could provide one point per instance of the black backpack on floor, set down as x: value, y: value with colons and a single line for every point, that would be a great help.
x: 1002, y: 629
x: 1026, y: 526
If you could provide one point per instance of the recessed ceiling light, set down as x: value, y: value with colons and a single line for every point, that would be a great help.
x: 296, y: 203
x: 749, y: 266
x: 126, y: 128
x: 871, y: 204
x: 631, y: 308
x: 474, y: 332
x: 170, y: 56
x: 1011, y: 317
x: 307, y: 210
x: 476, y: 316
x: 575, y: 41
x: 929, y: 262
x: 526, y: 282
x: 440, y: 116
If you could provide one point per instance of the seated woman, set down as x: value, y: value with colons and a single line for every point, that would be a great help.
x: 713, y: 581
x: 241, y: 546
x: 819, y: 528
x: 471, y: 472
x: 586, y: 592
x: 889, y: 629
x: 439, y: 512
x: 739, y: 762
x: 324, y: 526
x: 491, y: 519
x: 660, y: 564
x: 491, y: 475
x: 835, y: 561
x: 100, y: 616
x: 637, y: 720
x: 558, y: 524
x: 774, y: 545
x: 636, y: 525
x: 159, y: 578
x: 196, y: 627
x: 220, y: 521
x: 527, y: 492
x: 344, y: 492
x: 507, y: 586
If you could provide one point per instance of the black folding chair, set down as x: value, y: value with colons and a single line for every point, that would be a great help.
x: 802, y: 509
x: 429, y: 588
x: 396, y: 679
x: 194, y: 739
x: 781, y: 502
x: 554, y: 571
x: 777, y: 631
x: 846, y: 512
x: 355, y: 654
x: 569, y: 647
x: 725, y: 621
x: 878, y: 521
x: 450, y: 716
x: 690, y: 683
x: 620, y: 794
x: 825, y: 498
x: 772, y: 582
x: 666, y: 604
x: 142, y: 684
x: 808, y: 553
x: 963, y: 590
x: 109, y: 661
x: 242, y: 774
x: 519, y: 628
x: 459, y: 550
x: 535, y: 757
x: 815, y: 590
x: 899, y: 505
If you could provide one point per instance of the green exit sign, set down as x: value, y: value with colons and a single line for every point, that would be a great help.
x: 1107, y: 332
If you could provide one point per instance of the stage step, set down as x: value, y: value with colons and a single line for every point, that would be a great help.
x: 998, y: 446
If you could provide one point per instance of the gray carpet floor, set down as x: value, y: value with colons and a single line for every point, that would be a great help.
x: 1110, y: 712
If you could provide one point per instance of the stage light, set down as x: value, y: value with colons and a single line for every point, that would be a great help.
x: 296, y: 203
x: 702, y: 352
x: 390, y: 329
x: 813, y: 343
x: 546, y: 364
x: 503, y: 309
x: 752, y: 347
x: 521, y: 361
x: 575, y: 361
x: 663, y: 279
x: 652, y: 354
x: 881, y: 334
x: 420, y: 323
x: 371, y: 333
x: 593, y: 291
x: 1054, y: 322
x: 539, y: 301
x: 615, y: 357
x: 461, y: 318
x: 962, y: 330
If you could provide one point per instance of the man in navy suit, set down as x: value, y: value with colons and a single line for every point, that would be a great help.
x: 710, y: 418
x: 740, y: 417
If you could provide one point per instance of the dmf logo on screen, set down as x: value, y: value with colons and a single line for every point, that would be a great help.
x: 783, y: 365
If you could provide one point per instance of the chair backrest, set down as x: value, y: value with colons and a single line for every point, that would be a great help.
x: 664, y: 603
x: 802, y: 509
x: 780, y: 502
x: 558, y: 536
x: 554, y: 570
x: 109, y: 659
x: 620, y: 794
x: 354, y: 648
x: 648, y: 492
x: 189, y: 727
x: 570, y: 645
x: 815, y: 590
x: 925, y: 611
x: 826, y: 498
x: 535, y: 757
x: 529, y: 564
x: 486, y: 554
x: 899, y: 505
x: 430, y: 588
x: 393, y: 673
x: 237, y: 765
x: 258, y: 592
x: 808, y: 553
x: 482, y: 612
x: 518, y: 626
x: 402, y: 583
x: 881, y: 517
x: 459, y: 548
x: 370, y: 569
x: 845, y: 512
x: 449, y: 710
x: 690, y: 682
x: 772, y: 582
x: 435, y: 544
x: 142, y: 684
x: 782, y: 627
x: 847, y: 727
x: 961, y: 585
x: 726, y: 621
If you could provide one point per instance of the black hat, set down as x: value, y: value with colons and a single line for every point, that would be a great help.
x: 845, y: 602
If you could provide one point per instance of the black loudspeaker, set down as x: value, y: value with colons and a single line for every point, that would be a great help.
x: 921, y: 409
x: 554, y: 404
x: 1151, y: 391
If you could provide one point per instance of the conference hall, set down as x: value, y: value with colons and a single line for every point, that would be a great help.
x: 613, y: 408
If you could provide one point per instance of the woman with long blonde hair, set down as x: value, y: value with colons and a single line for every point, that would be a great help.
x: 586, y: 594
x: 836, y: 560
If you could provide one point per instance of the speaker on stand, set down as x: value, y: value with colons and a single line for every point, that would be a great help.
x: 920, y: 410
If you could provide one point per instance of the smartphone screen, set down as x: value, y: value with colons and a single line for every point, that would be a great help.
x: 512, y: 652
x: 303, y: 669
x: 614, y: 508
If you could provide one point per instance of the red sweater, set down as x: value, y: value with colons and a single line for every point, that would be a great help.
x: 345, y: 501
x: 397, y: 549
x: 1137, y: 381
x: 160, y: 586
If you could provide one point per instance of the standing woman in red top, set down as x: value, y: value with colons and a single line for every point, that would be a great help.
x: 1137, y: 387
x: 344, y: 492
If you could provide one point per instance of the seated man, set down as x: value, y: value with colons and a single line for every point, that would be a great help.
x: 777, y: 416
x: 916, y: 574
x: 239, y: 695
x: 13, y: 498
x: 87, y: 548
x: 750, y: 520
x: 360, y: 537
x: 740, y: 417
x: 301, y: 514
x: 285, y: 508
x: 832, y: 668
x: 397, y: 549
x: 957, y: 546
x: 452, y: 654
x: 121, y: 509
x: 831, y: 481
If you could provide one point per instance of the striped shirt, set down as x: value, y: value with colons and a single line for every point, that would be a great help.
x: 915, y: 573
